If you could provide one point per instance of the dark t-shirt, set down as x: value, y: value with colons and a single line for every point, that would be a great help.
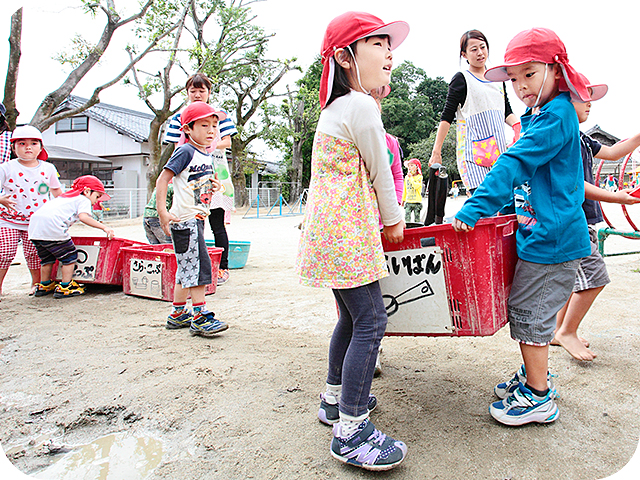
x: 589, y: 149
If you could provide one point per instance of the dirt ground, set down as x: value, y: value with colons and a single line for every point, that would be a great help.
x: 95, y: 387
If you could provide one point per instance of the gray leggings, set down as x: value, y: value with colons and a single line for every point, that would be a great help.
x: 354, y: 345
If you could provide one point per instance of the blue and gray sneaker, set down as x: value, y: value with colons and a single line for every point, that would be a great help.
x: 206, y: 325
x: 505, y: 389
x: 368, y: 448
x: 180, y: 319
x: 329, y: 413
x: 522, y: 408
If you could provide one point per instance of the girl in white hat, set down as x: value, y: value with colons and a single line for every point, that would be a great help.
x: 27, y: 182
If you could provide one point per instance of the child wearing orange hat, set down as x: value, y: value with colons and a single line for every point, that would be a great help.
x: 28, y: 182
x: 49, y: 232
x: 545, y: 168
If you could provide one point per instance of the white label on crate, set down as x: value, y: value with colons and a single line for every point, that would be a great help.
x: 85, y: 270
x: 414, y: 293
x: 146, y: 278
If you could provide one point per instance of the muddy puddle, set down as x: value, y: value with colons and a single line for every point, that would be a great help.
x: 119, y: 456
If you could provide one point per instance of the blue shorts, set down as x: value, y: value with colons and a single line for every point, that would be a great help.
x: 538, y: 293
x: 62, y: 250
x: 194, y: 263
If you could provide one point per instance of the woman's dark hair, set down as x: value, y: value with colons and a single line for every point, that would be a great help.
x: 198, y: 80
x: 464, y: 40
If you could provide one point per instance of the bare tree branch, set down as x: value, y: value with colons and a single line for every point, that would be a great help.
x: 15, y: 39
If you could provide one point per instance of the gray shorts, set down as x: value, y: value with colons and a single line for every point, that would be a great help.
x: 538, y: 292
x: 592, y: 271
x: 194, y: 263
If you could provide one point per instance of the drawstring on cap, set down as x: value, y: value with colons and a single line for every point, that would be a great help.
x: 544, y: 46
x: 347, y: 28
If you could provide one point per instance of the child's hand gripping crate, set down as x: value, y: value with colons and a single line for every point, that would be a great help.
x: 444, y: 283
x: 99, y: 260
x: 150, y: 271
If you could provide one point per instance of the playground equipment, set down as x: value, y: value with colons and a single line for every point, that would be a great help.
x: 603, y: 233
x: 269, y: 201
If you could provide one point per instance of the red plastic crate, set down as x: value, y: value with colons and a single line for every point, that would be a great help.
x: 478, y: 272
x: 150, y: 271
x: 106, y: 268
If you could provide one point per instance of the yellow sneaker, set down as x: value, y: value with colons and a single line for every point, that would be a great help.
x: 72, y: 290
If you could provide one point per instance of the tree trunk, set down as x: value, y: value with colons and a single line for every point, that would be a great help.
x: 237, y: 174
x: 296, y: 169
x: 15, y: 40
x: 158, y: 155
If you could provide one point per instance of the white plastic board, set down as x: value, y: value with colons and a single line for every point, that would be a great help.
x: 85, y: 270
x: 145, y: 278
x: 415, y: 294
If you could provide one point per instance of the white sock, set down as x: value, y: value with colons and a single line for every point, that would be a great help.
x: 349, y: 425
x: 332, y: 394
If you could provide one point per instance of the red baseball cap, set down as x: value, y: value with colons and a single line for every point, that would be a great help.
x: 199, y: 110
x: 87, y: 181
x: 540, y: 45
x: 347, y: 28
x: 29, y: 131
x: 597, y: 91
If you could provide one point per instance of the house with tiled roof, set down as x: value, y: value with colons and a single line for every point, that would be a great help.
x: 114, y: 134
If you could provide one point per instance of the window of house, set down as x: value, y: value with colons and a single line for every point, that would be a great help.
x: 73, y: 124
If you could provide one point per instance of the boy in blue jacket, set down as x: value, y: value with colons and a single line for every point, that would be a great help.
x: 545, y: 168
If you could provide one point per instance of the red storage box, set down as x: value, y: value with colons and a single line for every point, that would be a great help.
x: 99, y: 260
x: 150, y: 270
x: 475, y: 268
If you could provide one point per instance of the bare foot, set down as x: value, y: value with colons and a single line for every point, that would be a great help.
x: 576, y: 347
x: 33, y: 290
x: 557, y: 343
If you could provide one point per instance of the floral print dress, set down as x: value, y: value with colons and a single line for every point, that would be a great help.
x: 340, y: 245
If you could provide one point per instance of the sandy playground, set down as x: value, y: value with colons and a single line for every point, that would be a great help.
x: 96, y: 388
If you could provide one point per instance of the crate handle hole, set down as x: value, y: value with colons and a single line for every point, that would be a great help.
x: 428, y: 242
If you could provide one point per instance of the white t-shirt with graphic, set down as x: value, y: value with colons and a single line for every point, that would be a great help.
x: 192, y: 183
x: 29, y: 187
x: 52, y: 221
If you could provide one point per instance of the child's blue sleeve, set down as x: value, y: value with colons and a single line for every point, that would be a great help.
x: 180, y: 159
x: 542, y: 142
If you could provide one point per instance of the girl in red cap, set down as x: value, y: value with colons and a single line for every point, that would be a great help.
x: 544, y: 169
x: 28, y: 182
x: 340, y: 246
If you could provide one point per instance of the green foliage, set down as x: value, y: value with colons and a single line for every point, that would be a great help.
x: 422, y: 151
x: 412, y: 109
x: 79, y: 50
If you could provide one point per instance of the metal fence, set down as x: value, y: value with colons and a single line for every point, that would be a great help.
x: 125, y: 203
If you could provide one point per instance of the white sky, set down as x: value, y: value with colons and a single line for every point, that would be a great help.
x: 601, y: 39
